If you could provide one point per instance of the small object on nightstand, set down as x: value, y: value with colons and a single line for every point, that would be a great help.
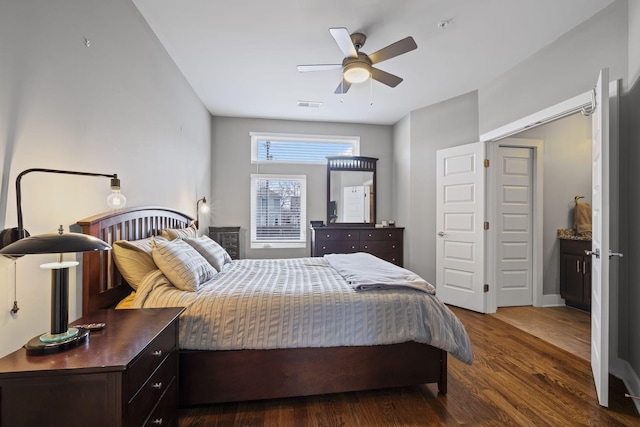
x: 392, y: 223
x: 91, y: 326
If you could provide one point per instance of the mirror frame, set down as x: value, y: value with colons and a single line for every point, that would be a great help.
x: 351, y: 164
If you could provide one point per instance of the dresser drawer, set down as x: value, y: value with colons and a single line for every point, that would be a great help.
x: 139, y: 408
x: 149, y: 360
x: 333, y: 235
x: 347, y: 247
x: 392, y: 257
x: 385, y: 234
x: 167, y: 408
x: 376, y: 246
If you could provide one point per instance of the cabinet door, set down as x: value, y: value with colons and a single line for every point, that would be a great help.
x: 571, y: 280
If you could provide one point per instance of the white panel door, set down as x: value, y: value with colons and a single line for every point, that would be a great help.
x: 600, y: 240
x: 514, y: 228
x: 354, y: 201
x: 460, y: 240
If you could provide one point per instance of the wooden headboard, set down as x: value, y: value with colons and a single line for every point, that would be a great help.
x: 102, y: 284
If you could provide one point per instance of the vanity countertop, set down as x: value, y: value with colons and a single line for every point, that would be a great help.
x: 572, y: 234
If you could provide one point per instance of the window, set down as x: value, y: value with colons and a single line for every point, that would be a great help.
x: 278, y: 211
x: 289, y: 148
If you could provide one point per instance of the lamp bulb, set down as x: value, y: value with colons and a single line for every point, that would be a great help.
x: 116, y: 200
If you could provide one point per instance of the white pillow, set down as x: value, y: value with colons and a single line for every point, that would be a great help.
x: 183, y: 265
x: 179, y: 233
x: 211, y: 251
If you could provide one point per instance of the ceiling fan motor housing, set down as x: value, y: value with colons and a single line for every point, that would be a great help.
x: 357, y: 70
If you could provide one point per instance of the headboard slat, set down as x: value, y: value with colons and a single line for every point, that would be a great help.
x: 102, y: 284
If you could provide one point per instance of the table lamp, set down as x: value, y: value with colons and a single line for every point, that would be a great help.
x: 61, y: 336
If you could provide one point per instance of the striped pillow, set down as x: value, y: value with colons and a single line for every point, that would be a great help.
x: 211, y: 251
x: 183, y: 265
x: 179, y: 233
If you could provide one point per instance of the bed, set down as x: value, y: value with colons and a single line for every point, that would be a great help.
x: 225, y: 375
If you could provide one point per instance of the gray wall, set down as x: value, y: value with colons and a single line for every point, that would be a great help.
x: 118, y: 106
x: 446, y: 124
x: 630, y: 198
x: 567, y: 173
x: 231, y: 169
x: 564, y: 69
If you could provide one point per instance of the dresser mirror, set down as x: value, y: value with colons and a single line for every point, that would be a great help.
x: 351, y: 190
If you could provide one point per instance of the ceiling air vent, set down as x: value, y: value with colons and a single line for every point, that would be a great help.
x: 313, y: 104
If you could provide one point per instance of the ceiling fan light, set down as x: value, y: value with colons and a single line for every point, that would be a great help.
x: 356, y: 73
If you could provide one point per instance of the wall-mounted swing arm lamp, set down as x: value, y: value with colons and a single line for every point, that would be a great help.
x: 115, y: 200
x: 204, y: 209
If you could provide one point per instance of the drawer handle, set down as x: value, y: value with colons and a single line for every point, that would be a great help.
x: 389, y: 234
x: 393, y: 246
x: 157, y: 421
x: 369, y: 234
x: 366, y: 247
x: 328, y: 235
x: 353, y: 247
x: 324, y: 247
x: 349, y: 235
x: 157, y: 386
x: 157, y: 353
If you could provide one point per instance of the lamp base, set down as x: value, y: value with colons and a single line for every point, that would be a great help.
x: 36, y: 346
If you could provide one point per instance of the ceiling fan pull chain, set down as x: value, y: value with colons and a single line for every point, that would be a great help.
x: 371, y: 90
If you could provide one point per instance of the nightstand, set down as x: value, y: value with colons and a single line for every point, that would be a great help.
x: 125, y: 375
x: 228, y: 238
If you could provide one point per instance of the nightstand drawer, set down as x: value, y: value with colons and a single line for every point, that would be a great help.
x: 150, y: 393
x: 167, y: 408
x: 149, y: 360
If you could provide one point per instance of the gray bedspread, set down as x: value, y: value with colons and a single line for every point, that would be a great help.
x: 301, y: 302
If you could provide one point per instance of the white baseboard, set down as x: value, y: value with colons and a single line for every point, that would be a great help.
x: 623, y: 370
x: 552, y: 300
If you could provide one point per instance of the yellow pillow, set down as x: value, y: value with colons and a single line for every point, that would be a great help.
x: 133, y: 259
x: 127, y: 302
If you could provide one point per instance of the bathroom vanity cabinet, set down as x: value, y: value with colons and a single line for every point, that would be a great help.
x: 575, y: 273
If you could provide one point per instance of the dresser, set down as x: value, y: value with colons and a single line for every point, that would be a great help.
x: 228, y: 238
x: 125, y: 375
x: 386, y: 243
x: 575, y: 273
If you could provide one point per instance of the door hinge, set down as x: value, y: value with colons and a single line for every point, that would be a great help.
x: 486, y: 225
x: 486, y: 163
x: 486, y: 287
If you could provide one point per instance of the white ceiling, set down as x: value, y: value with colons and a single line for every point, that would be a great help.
x: 241, y: 56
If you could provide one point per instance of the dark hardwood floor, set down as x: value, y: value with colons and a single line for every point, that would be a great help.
x: 517, y: 379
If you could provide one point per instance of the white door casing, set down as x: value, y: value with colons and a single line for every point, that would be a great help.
x: 460, y: 213
x: 600, y: 240
x: 514, y: 226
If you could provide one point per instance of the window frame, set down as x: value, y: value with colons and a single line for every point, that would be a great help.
x: 280, y: 244
x: 303, y: 138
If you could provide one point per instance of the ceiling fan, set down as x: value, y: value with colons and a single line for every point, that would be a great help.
x: 357, y: 66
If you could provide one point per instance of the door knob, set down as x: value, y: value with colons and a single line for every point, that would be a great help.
x: 441, y: 233
x: 612, y: 254
x: 596, y: 252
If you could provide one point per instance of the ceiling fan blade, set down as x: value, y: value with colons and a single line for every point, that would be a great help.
x: 384, y: 77
x: 343, y: 87
x: 318, y: 67
x: 398, y: 48
x: 343, y: 39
